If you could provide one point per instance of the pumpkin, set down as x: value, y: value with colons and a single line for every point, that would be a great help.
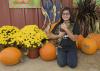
x: 26, y: 1
x: 98, y: 41
x: 19, y: 1
x: 92, y: 35
x: 79, y: 40
x: 10, y: 56
x: 89, y: 46
x: 0, y: 56
x: 48, y: 52
x: 96, y: 37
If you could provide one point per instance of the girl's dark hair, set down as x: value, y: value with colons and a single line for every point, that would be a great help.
x: 65, y: 8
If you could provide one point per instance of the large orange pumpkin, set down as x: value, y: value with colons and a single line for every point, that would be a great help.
x: 48, y: 52
x: 10, y: 56
x: 79, y: 41
x: 0, y: 56
x: 89, y: 46
x: 96, y: 37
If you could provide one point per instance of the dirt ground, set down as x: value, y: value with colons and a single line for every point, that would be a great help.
x: 85, y: 63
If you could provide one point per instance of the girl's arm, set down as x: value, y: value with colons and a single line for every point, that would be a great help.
x: 51, y: 35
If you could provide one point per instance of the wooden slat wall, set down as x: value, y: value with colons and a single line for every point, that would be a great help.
x: 17, y: 17
x: 31, y: 16
x: 67, y: 3
x: 21, y: 17
x: 4, y: 13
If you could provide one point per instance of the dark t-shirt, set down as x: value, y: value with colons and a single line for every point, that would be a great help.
x: 76, y: 29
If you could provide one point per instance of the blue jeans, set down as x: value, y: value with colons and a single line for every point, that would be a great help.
x: 68, y: 57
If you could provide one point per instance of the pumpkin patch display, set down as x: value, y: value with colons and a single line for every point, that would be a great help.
x: 89, y: 46
x: 48, y: 52
x: 10, y: 56
x: 79, y: 40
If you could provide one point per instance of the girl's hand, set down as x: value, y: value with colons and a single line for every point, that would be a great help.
x: 61, y: 34
x: 63, y: 27
x: 76, y: 37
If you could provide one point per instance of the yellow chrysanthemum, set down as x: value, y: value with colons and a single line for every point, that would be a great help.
x: 29, y: 36
x: 7, y: 32
x: 32, y: 36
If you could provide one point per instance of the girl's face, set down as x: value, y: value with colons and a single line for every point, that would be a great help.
x: 66, y: 15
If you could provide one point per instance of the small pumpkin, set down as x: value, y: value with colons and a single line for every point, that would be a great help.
x: 89, y: 46
x: 48, y: 52
x: 79, y: 40
x: 10, y: 56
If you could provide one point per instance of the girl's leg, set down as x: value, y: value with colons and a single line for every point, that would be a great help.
x: 72, y: 58
x: 61, y: 57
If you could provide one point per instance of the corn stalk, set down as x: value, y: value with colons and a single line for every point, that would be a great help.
x: 86, y: 16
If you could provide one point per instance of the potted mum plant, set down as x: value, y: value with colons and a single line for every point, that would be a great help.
x: 31, y: 38
x: 2, y: 41
x: 6, y: 36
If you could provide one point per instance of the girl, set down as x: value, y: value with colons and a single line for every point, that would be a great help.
x: 66, y: 32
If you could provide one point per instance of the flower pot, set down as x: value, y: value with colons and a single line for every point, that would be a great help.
x: 33, y: 53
